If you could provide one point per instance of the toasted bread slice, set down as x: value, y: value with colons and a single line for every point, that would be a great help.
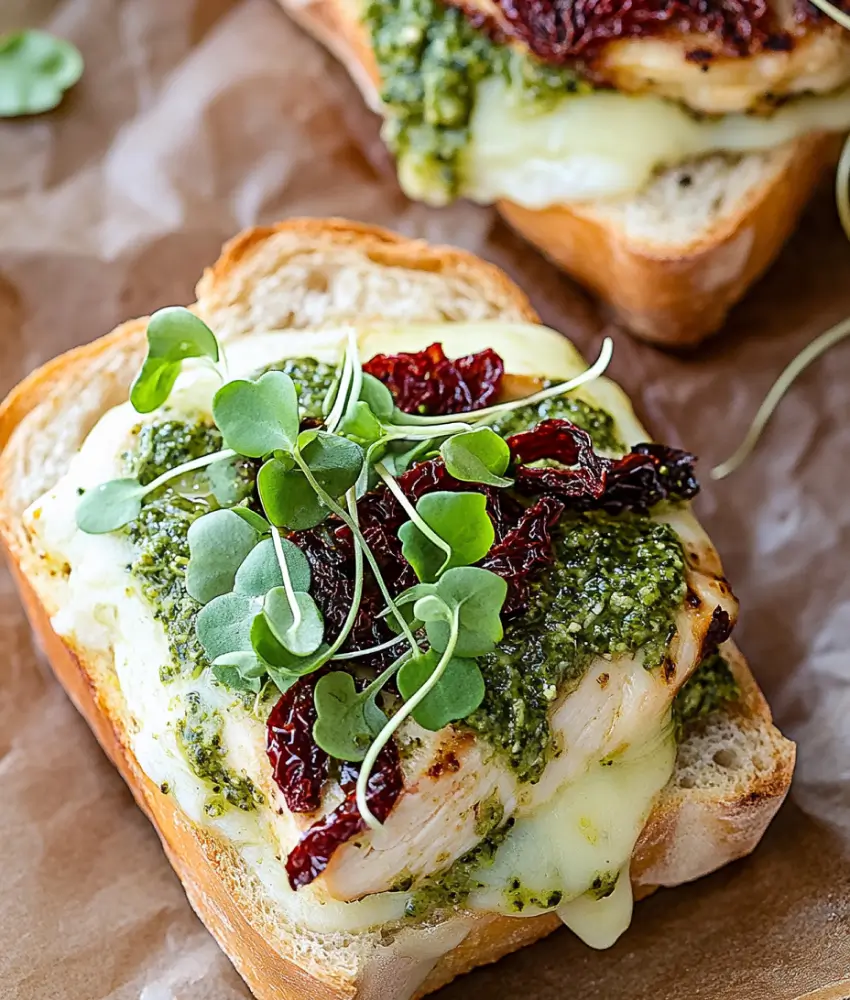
x: 733, y: 769
x: 672, y: 260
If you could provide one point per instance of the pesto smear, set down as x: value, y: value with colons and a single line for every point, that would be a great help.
x: 614, y: 587
x: 431, y: 61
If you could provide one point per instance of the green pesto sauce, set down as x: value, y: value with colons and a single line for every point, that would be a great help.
x: 431, y: 60
x: 199, y: 735
x: 598, y: 423
x: 710, y: 687
x: 615, y: 587
x: 159, y: 536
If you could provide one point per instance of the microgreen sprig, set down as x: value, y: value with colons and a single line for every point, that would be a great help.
x: 174, y: 334
x: 111, y: 505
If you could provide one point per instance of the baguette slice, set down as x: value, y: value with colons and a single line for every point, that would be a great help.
x: 733, y: 770
x: 672, y: 260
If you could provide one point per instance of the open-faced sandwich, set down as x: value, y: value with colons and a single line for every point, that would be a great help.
x: 660, y: 152
x: 398, y: 626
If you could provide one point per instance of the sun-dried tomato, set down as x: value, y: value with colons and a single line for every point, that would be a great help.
x: 559, y: 31
x: 524, y: 550
x: 299, y: 766
x: 583, y: 472
x: 428, y: 382
x: 649, y: 474
x: 313, y: 852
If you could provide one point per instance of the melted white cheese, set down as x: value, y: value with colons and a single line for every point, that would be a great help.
x: 587, y: 829
x: 102, y: 609
x: 607, y: 144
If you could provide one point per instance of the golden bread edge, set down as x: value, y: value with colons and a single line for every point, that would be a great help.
x: 672, y: 297
x: 206, y: 866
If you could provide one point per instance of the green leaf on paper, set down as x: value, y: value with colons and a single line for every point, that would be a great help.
x: 36, y: 69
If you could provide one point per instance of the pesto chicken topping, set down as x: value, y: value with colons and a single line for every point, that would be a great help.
x: 614, y: 588
x: 380, y: 554
x: 431, y: 61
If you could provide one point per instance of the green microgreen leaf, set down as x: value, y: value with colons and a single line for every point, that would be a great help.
x: 282, y: 679
x: 334, y: 461
x: 288, y: 498
x: 347, y: 721
x: 109, y: 506
x: 267, y: 646
x: 405, y: 603
x: 258, y: 418
x: 174, y: 334
x: 246, y: 662
x: 459, y: 691
x: 227, y: 484
x: 477, y: 595
x: 153, y: 384
x: 255, y: 520
x: 224, y: 625
x: 300, y: 630
x: 377, y: 397
x: 219, y: 542
x: 361, y: 424
x: 35, y: 71
x: 461, y: 520
x: 478, y: 456
x: 231, y: 678
x: 260, y: 572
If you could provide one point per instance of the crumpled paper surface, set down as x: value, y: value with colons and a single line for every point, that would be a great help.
x: 196, y: 118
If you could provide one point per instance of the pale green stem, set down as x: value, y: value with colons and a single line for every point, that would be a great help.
x: 343, y: 393
x: 332, y: 505
x: 809, y: 354
x: 832, y: 11
x: 392, y: 726
x: 595, y: 370
x: 372, y: 649
x: 197, y: 463
x: 356, y: 370
x: 287, y: 580
x: 414, y: 515
x: 842, y: 187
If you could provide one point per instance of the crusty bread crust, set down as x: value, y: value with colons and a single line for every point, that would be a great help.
x: 679, y: 294
x: 49, y: 412
x: 673, y: 293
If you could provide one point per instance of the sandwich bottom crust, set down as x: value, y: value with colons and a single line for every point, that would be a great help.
x: 677, y: 295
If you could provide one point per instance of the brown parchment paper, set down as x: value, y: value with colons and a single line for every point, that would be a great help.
x: 196, y: 118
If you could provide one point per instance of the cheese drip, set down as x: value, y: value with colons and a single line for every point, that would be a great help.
x: 573, y: 851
